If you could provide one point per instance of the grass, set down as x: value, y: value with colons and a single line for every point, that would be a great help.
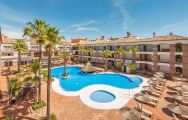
x: 39, y: 105
x: 52, y: 117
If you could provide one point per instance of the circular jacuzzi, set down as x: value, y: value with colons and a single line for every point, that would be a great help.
x: 102, y: 96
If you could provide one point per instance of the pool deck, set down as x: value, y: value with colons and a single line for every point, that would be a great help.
x: 72, y: 108
x: 122, y: 95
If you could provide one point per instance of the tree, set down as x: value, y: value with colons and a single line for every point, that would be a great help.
x: 19, y: 46
x: 80, y: 50
x: 64, y: 55
x: 120, y: 65
x: 121, y: 52
x: 37, y: 31
x: 15, y: 87
x: 52, y: 39
x: 133, y: 49
x: 90, y: 51
x: 106, y: 54
x: 132, y: 67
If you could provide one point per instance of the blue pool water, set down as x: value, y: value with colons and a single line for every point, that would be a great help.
x: 79, y: 80
x: 102, y: 96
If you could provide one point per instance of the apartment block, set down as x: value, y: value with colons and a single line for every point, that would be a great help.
x: 168, y: 53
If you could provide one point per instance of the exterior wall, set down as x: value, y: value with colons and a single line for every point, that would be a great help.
x: 164, y: 58
x: 164, y: 69
x: 155, y: 58
x: 172, y: 59
x: 185, y: 60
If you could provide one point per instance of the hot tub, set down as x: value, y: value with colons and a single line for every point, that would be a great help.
x: 102, y: 96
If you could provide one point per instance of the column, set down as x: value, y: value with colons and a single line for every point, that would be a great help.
x: 155, y: 58
x: 185, y: 60
x: 172, y: 59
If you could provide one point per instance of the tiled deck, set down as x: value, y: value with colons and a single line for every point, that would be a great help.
x: 72, y: 108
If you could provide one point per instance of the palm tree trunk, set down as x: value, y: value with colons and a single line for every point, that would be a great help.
x: 39, y: 85
x: 19, y: 61
x: 65, y: 70
x: 48, y: 84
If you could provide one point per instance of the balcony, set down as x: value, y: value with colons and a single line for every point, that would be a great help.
x: 146, y: 61
x: 163, y: 63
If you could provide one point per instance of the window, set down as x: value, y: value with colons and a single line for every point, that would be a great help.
x: 8, y: 63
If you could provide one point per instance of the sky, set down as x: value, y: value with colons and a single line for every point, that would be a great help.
x: 95, y: 18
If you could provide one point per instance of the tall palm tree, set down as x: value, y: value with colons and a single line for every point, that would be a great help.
x: 52, y: 39
x: 133, y: 49
x: 120, y: 52
x: 106, y: 54
x: 64, y: 55
x: 19, y: 46
x: 37, y: 31
x: 90, y: 51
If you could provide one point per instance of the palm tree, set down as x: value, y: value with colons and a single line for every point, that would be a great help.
x: 106, y: 54
x: 19, y: 46
x: 52, y: 39
x: 15, y: 87
x: 37, y: 31
x: 34, y: 66
x: 80, y: 50
x: 90, y: 51
x: 121, y: 52
x: 64, y: 55
x: 133, y: 49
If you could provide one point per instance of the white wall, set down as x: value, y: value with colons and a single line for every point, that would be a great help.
x: 164, y: 69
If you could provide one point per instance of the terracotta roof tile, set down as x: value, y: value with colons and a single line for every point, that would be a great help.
x: 6, y: 40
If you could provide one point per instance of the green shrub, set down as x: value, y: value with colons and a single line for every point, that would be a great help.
x: 39, y: 105
x: 52, y: 117
x: 8, y: 118
x: 65, y: 74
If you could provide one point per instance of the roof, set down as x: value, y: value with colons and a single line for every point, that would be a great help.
x: 6, y: 40
x: 133, y: 39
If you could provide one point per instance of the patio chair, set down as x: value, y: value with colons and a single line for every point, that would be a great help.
x: 175, y: 117
x: 154, y: 93
x: 184, y: 117
x: 146, y: 113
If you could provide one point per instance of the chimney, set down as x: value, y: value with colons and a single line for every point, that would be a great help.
x: 128, y: 34
x: 170, y: 33
x: 154, y: 34
x: 102, y: 37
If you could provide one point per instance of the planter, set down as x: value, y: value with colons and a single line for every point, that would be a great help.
x: 65, y: 77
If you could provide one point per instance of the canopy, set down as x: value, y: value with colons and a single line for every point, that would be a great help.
x: 88, y: 68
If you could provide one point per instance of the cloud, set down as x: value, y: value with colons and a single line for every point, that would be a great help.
x: 89, y: 22
x: 84, y: 29
x: 124, y: 13
x: 177, y: 27
x: 9, y: 14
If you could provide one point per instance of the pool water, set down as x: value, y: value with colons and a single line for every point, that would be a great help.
x: 102, y: 96
x: 79, y: 80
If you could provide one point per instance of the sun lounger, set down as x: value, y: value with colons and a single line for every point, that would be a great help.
x: 184, y: 117
x: 175, y: 117
x: 145, y: 112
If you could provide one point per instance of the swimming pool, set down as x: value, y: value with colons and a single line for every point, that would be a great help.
x: 78, y: 80
x: 102, y: 96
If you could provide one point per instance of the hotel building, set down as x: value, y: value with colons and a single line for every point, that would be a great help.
x: 168, y: 53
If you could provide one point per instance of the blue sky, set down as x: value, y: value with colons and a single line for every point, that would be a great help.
x: 95, y: 18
